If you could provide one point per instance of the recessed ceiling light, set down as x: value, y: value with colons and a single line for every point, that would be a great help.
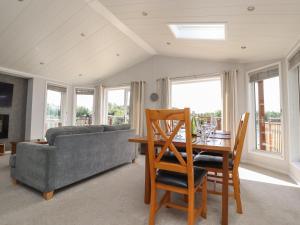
x: 168, y: 43
x: 201, y: 31
x: 118, y: 54
x: 251, y: 8
x: 80, y: 75
x: 243, y: 47
x: 144, y: 13
x: 42, y: 63
x: 82, y: 34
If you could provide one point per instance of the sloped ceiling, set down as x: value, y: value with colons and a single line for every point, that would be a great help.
x: 82, y: 41
x: 268, y: 32
x: 65, y: 40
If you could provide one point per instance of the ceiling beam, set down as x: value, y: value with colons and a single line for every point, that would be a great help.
x: 110, y: 17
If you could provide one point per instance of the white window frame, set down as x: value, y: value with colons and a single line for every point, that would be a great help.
x: 75, y: 103
x: 251, y: 124
x: 63, y: 104
x: 106, y: 90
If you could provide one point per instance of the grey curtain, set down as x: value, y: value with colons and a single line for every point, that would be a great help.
x: 229, y: 96
x: 164, y: 92
x: 136, y: 113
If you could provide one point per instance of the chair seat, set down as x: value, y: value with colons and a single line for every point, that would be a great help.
x: 170, y: 157
x: 180, y: 179
x: 211, y: 161
x: 214, y: 153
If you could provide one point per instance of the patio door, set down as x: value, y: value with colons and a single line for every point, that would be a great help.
x: 266, y: 109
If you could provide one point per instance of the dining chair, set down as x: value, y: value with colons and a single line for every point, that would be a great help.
x: 214, y: 163
x: 180, y: 176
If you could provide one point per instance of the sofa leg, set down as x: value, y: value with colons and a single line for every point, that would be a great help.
x: 14, y: 181
x: 133, y: 161
x: 48, y: 195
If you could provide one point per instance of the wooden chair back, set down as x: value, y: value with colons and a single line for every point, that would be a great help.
x: 240, y: 138
x: 156, y: 121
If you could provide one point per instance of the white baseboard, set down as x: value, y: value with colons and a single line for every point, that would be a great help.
x: 264, y: 166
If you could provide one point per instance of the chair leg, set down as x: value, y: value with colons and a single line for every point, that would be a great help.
x: 191, y: 208
x: 185, y: 198
x: 14, y: 181
x: 48, y: 195
x: 215, y: 182
x: 237, y: 195
x: 204, y: 198
x: 152, y: 207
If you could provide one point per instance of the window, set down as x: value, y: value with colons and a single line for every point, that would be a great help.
x: 202, y: 96
x: 117, y: 105
x: 84, y: 106
x: 55, y: 106
x: 204, y: 31
x: 267, y: 110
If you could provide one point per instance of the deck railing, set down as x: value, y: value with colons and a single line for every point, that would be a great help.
x: 273, y: 136
x: 84, y: 121
x: 116, y: 120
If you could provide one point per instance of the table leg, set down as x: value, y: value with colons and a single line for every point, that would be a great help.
x: 144, y: 148
x: 225, y: 189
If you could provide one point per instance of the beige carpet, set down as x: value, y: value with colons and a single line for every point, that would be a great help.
x: 116, y: 198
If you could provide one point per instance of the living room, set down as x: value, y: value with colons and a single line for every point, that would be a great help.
x: 83, y: 82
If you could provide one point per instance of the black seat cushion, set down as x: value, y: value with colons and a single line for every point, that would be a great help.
x: 180, y: 179
x: 214, y: 153
x: 212, y: 161
x: 170, y: 157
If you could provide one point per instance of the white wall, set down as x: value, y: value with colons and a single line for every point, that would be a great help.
x: 163, y: 66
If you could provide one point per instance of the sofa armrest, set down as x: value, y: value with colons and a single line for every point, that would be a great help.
x: 34, y: 165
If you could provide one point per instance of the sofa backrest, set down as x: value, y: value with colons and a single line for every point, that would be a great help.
x: 52, y: 133
x: 116, y: 127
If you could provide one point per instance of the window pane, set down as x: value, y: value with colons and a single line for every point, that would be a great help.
x: 54, y: 109
x: 84, y: 109
x: 201, y: 96
x: 117, y: 106
x: 268, y: 115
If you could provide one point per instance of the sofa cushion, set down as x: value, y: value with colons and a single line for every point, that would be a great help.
x: 12, y: 161
x: 52, y: 133
x: 117, y: 127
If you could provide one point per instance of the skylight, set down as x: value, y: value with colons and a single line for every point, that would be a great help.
x: 202, y: 31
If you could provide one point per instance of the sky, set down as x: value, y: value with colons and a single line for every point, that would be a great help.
x: 86, y: 101
x: 272, y: 94
x: 200, y: 96
x: 53, y: 97
x: 116, y: 96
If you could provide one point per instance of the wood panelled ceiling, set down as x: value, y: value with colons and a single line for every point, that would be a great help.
x: 268, y: 32
x: 60, y: 39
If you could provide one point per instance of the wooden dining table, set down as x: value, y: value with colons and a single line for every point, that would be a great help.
x: 220, y: 142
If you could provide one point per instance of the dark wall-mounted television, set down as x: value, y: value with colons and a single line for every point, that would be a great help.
x: 6, y: 94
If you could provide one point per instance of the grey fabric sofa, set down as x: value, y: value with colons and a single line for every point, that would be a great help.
x: 72, y: 154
